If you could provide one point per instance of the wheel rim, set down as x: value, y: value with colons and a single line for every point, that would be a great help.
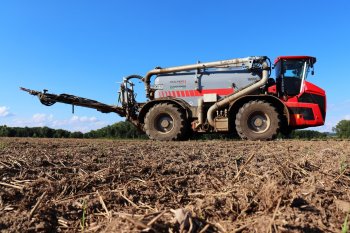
x: 164, y: 123
x: 259, y: 122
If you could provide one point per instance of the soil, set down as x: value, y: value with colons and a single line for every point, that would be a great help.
x: 76, y: 185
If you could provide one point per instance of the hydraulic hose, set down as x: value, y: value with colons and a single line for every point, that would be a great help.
x: 229, y: 99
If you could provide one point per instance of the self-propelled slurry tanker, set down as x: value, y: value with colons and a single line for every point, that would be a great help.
x: 236, y: 95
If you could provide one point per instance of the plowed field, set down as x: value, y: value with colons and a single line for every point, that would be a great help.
x: 71, y: 185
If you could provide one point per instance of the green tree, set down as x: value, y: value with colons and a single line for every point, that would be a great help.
x: 4, y: 131
x: 121, y: 130
x: 342, y: 129
x: 307, y: 134
x: 41, y: 132
x: 76, y: 135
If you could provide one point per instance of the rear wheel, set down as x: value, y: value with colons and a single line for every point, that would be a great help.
x: 257, y: 120
x: 165, y: 122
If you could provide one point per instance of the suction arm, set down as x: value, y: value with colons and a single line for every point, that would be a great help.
x: 50, y: 99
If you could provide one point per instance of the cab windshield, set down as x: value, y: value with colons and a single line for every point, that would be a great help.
x: 290, y: 74
x: 293, y: 69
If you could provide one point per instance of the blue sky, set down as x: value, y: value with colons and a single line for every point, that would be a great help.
x: 86, y: 47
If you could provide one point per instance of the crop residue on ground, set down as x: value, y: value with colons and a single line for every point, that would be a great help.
x: 70, y: 185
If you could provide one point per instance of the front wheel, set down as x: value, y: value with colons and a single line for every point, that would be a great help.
x: 257, y: 120
x: 165, y: 122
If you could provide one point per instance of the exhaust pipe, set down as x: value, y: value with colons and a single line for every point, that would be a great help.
x: 229, y: 99
x: 238, y: 62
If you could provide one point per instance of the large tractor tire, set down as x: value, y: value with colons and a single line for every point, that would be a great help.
x: 166, y: 122
x: 257, y: 120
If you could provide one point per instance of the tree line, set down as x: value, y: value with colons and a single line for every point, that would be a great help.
x: 120, y: 130
x: 125, y: 130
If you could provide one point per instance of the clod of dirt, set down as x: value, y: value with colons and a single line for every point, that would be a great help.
x: 343, y: 205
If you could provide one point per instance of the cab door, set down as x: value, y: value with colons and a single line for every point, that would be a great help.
x: 290, y: 76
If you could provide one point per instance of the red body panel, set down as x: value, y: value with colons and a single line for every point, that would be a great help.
x: 295, y: 106
x: 191, y: 93
x: 272, y: 90
x: 311, y: 88
x: 298, y: 121
x: 294, y: 57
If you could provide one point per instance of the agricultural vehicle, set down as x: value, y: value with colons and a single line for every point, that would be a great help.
x: 228, y: 96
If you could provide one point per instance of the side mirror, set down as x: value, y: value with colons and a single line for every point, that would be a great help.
x: 312, y: 67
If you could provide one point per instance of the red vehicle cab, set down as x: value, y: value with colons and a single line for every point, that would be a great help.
x: 305, y: 101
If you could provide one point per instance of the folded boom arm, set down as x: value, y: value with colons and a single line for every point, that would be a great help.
x: 50, y: 99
